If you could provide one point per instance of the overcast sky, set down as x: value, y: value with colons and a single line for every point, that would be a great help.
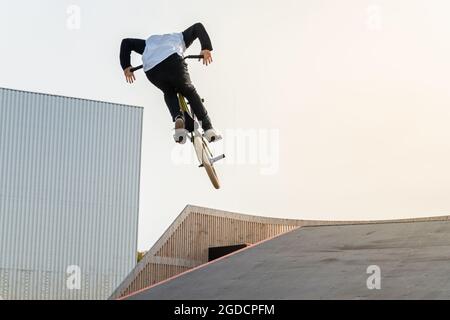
x: 330, y: 109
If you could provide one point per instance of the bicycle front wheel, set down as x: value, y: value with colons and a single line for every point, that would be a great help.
x: 203, y: 158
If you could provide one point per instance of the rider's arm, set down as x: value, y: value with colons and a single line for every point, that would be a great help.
x: 128, y: 45
x: 197, y: 31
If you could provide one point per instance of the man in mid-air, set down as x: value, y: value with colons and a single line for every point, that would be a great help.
x: 162, y: 57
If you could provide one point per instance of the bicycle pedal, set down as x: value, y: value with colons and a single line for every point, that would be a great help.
x: 215, y: 159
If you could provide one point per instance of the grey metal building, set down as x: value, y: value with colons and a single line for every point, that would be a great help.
x: 69, y: 195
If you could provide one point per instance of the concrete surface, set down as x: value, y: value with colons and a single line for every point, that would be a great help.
x: 326, y: 262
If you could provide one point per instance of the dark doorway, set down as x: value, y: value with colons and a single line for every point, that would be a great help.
x: 217, y: 252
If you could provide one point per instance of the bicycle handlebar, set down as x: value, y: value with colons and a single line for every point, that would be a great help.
x: 136, y: 68
x: 187, y: 57
x: 200, y: 56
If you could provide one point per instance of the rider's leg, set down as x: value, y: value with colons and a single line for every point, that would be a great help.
x: 159, y: 79
x: 197, y: 106
x: 190, y: 93
x: 171, y: 99
x: 187, y: 89
x: 170, y: 94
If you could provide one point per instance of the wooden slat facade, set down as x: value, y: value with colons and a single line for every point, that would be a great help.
x: 186, y: 242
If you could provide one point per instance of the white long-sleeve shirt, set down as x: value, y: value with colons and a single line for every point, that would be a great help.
x: 160, y: 47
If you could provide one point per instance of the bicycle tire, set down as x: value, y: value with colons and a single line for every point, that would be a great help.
x: 203, y: 158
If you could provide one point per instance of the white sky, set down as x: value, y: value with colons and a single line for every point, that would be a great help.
x: 355, y: 91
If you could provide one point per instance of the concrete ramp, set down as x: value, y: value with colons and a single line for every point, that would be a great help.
x: 326, y: 262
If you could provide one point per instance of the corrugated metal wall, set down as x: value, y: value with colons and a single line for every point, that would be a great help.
x: 185, y: 244
x: 69, y: 188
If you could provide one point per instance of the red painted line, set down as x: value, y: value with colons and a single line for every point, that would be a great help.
x: 205, y: 265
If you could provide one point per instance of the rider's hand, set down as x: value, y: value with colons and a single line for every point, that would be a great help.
x: 129, y: 75
x: 207, y: 57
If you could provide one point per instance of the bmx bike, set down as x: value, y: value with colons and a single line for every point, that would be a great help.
x: 204, y: 155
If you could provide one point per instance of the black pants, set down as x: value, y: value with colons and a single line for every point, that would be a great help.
x: 171, y: 76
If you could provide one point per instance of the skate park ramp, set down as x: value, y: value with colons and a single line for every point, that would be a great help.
x: 326, y: 262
